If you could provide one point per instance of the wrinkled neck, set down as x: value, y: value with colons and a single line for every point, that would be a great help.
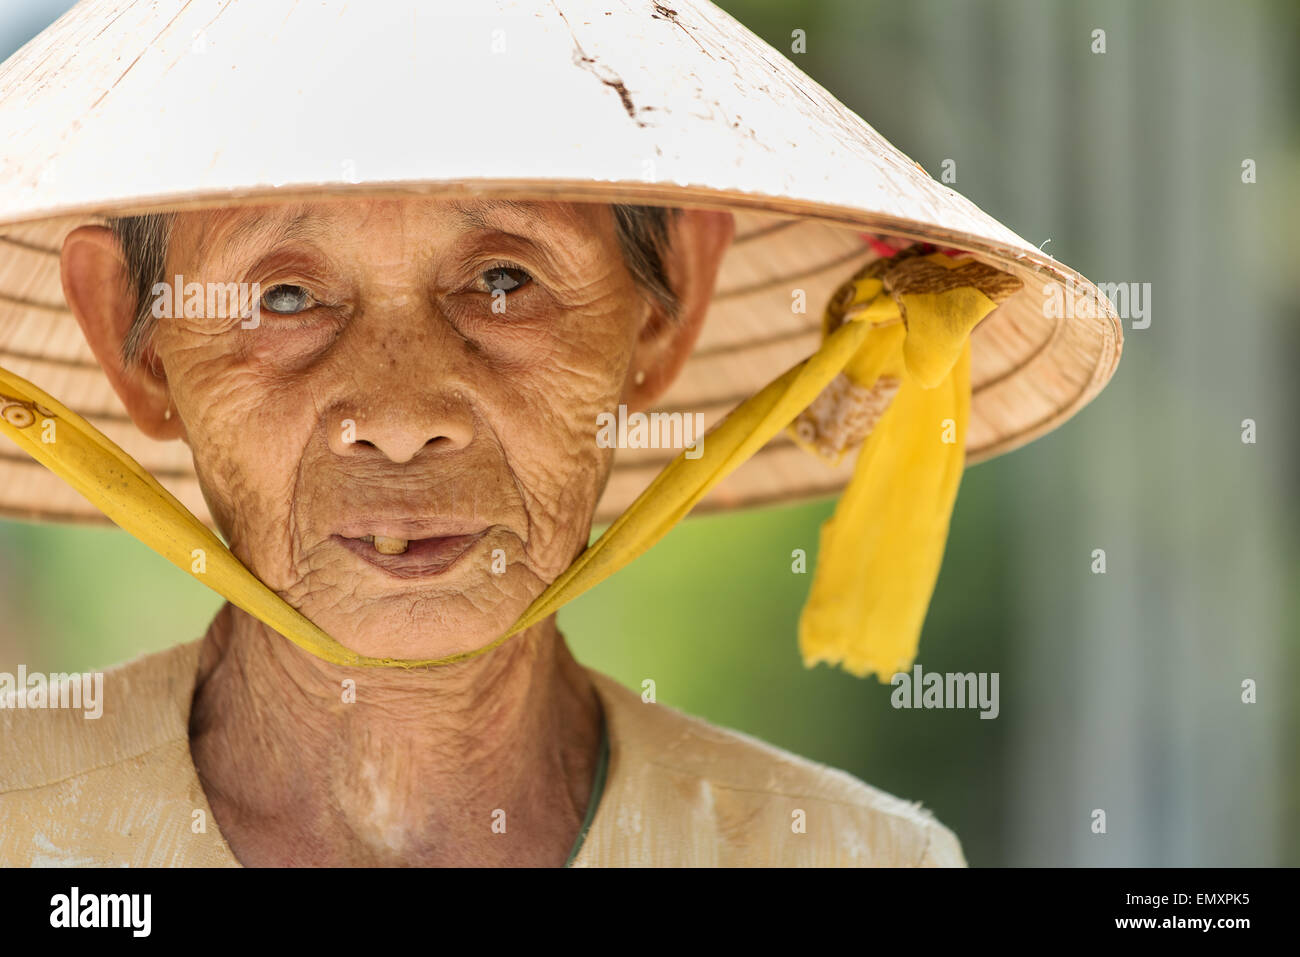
x: 388, y: 763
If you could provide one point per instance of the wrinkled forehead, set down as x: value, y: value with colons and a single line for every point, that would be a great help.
x: 234, y: 234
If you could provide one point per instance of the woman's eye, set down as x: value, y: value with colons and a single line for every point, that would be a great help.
x: 505, y: 278
x: 287, y: 300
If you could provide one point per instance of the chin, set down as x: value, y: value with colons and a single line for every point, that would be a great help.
x: 412, y: 626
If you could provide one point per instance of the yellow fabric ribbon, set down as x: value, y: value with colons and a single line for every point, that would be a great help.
x: 897, y: 320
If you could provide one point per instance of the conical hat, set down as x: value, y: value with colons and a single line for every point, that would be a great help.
x: 122, y: 108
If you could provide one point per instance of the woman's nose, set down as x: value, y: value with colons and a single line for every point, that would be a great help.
x: 400, y: 429
x: 408, y: 392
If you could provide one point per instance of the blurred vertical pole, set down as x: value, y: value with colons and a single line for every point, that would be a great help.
x: 1079, y: 669
x: 1136, y: 706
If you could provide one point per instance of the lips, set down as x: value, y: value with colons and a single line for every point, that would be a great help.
x: 410, y: 557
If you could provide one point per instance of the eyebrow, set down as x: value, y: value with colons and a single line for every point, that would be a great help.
x: 475, y: 213
x: 269, y: 232
x: 481, y: 215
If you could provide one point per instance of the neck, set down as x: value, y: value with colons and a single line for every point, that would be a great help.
x: 485, y: 762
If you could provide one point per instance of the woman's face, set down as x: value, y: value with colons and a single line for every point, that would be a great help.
x: 403, y: 455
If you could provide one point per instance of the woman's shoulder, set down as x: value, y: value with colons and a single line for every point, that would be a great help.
x: 738, y: 800
x: 95, y: 767
x: 60, y: 725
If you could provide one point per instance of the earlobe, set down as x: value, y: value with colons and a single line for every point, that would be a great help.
x: 98, y: 291
x: 699, y: 239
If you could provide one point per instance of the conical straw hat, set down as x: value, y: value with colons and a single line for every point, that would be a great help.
x: 122, y: 108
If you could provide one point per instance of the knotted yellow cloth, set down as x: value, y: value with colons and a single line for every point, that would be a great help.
x: 893, y: 369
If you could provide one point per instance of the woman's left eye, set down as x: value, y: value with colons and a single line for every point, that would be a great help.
x: 504, y: 278
x: 287, y: 300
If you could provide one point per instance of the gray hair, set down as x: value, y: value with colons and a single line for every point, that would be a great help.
x: 642, y: 236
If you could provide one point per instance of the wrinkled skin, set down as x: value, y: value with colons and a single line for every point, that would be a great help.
x: 396, y: 390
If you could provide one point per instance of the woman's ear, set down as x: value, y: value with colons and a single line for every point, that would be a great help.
x: 97, y: 287
x: 698, y: 239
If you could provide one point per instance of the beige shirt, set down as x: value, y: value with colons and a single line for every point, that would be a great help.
x: 123, y: 790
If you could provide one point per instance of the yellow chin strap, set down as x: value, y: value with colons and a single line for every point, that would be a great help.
x: 892, y: 373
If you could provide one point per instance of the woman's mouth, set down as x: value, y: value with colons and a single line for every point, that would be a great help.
x: 411, y: 558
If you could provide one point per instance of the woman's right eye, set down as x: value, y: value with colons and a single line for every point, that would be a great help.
x: 286, y: 300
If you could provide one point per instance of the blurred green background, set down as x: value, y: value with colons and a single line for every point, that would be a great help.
x: 1118, y: 691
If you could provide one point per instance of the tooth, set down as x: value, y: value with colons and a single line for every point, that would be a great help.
x: 390, y: 546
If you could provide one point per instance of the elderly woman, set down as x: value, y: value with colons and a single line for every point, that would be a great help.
x: 368, y: 448
x: 395, y: 434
